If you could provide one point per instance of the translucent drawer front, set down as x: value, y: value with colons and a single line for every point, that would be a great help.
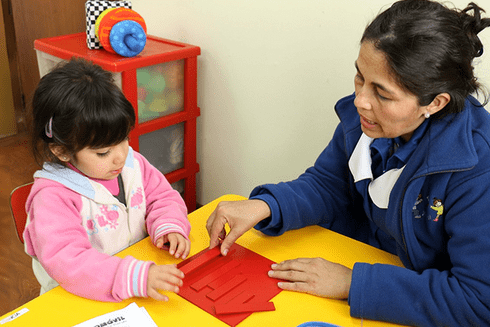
x: 179, y: 186
x: 160, y: 90
x: 47, y: 62
x: 164, y: 148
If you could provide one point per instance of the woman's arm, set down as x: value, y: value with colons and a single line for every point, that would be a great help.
x: 320, y: 196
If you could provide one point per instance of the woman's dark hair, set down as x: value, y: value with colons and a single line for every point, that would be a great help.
x: 430, y: 48
x: 78, y: 105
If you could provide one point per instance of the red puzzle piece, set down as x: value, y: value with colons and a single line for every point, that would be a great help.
x: 200, y: 284
x: 230, y: 288
x: 200, y: 259
x: 235, y: 306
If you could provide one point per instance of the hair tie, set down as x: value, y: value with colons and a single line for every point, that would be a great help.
x: 48, y: 129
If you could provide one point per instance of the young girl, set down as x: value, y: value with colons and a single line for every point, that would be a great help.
x: 95, y: 196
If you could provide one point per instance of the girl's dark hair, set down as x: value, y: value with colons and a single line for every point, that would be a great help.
x: 430, y: 48
x: 86, y: 107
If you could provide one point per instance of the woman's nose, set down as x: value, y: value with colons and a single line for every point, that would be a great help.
x: 362, y: 100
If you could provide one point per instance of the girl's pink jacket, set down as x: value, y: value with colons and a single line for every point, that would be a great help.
x: 75, y: 225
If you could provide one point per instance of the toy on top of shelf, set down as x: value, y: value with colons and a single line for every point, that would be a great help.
x: 121, y: 31
x: 114, y: 26
x: 93, y: 8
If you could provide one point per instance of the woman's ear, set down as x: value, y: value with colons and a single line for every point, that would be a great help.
x: 439, y: 102
x: 59, y: 152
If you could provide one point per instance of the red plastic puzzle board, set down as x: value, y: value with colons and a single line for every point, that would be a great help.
x: 229, y: 287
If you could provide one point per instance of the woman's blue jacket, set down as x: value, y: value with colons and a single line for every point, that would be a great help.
x: 446, y: 281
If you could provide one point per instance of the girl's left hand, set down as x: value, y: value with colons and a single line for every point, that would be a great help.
x: 178, y: 246
x: 315, y: 276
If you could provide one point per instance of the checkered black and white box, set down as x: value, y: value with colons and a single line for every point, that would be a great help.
x: 92, y: 11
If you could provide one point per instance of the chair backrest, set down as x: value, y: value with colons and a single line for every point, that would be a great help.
x: 18, y: 199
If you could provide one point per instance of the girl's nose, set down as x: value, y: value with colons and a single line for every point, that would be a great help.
x: 121, y: 154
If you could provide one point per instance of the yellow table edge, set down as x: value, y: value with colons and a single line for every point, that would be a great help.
x: 60, y: 308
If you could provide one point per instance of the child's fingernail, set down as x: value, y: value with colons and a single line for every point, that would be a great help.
x: 225, y: 252
x: 270, y: 273
x: 274, y: 265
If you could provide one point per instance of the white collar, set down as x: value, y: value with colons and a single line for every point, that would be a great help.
x: 360, y: 160
x: 360, y: 167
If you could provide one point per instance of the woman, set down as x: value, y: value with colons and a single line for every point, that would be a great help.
x: 407, y: 171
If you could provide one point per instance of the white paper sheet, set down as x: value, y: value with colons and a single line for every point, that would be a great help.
x: 130, y: 316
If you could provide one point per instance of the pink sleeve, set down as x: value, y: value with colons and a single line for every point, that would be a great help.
x: 55, y: 236
x: 166, y: 211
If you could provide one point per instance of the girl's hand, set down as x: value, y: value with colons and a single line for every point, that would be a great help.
x: 165, y: 277
x: 179, y: 246
x: 315, y: 276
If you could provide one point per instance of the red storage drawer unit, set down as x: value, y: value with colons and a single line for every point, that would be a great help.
x: 161, y: 84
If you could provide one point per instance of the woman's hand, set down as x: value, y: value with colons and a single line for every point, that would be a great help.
x: 239, y: 215
x: 179, y: 246
x: 164, y: 277
x: 315, y: 276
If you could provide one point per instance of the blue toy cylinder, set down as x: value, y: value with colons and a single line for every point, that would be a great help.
x: 127, y: 38
x: 132, y: 43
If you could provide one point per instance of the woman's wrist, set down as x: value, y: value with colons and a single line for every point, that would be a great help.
x: 262, y: 210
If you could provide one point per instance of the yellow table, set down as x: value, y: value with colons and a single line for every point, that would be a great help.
x: 60, y: 308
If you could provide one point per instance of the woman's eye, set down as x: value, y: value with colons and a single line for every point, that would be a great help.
x: 382, y: 97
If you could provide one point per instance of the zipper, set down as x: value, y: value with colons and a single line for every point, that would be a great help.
x: 125, y: 208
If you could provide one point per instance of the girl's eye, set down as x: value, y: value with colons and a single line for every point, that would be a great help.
x: 103, y: 154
